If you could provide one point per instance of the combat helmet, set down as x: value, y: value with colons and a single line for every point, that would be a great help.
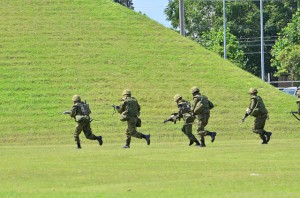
x: 126, y: 92
x: 76, y: 98
x: 177, y: 97
x: 195, y: 90
x: 253, y: 91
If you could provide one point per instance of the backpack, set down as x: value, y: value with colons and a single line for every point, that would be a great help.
x: 203, y: 104
x: 84, y: 108
x: 185, y: 107
x: 131, y: 108
x: 185, y: 110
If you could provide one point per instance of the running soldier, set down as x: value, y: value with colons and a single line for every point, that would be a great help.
x: 201, y: 108
x: 258, y: 110
x: 81, y: 113
x: 185, y: 112
x: 129, y: 110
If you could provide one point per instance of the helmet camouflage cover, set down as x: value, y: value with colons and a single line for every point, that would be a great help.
x: 126, y: 92
x: 252, y: 90
x: 177, y: 97
x: 195, y: 89
x: 76, y: 98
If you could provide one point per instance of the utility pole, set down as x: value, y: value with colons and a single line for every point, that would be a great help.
x: 181, y: 17
x: 262, y: 51
x: 224, y: 22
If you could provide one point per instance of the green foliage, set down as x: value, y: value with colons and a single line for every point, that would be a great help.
x: 243, y: 21
x: 286, y: 47
x: 214, y: 41
x: 126, y: 3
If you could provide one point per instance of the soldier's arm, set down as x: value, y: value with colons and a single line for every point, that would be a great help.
x: 195, y: 101
x: 252, y: 104
x: 122, y: 107
x: 73, y: 111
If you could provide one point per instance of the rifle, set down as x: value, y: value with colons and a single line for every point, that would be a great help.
x: 67, y: 112
x: 114, y: 108
x: 245, y: 116
x: 173, y: 118
x: 294, y: 114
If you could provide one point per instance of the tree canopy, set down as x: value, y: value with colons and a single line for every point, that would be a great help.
x: 243, y: 22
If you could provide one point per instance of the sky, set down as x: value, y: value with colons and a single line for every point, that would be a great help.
x: 154, y: 9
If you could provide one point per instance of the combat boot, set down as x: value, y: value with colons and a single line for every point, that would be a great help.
x: 148, y: 139
x: 78, y: 145
x: 128, y: 140
x: 99, y: 138
x: 197, y: 143
x: 202, y: 142
x: 213, y: 136
x: 264, y: 140
x: 268, y: 136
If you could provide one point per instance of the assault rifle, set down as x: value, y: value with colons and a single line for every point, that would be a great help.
x: 173, y: 118
x: 294, y: 114
x: 67, y: 112
x: 114, y: 108
x: 246, y: 115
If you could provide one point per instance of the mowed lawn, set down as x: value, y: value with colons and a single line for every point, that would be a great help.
x: 235, y: 168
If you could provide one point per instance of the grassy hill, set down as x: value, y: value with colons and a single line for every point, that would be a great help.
x: 51, y: 50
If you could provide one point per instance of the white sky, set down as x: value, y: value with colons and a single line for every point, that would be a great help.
x: 154, y: 9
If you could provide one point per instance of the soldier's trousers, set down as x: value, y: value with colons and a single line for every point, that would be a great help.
x: 202, y: 122
x: 187, y: 130
x: 86, y: 128
x: 259, y: 123
x: 131, y: 128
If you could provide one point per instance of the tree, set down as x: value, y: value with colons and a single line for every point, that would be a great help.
x: 126, y: 3
x: 284, y: 52
x: 214, y: 41
x: 243, y: 21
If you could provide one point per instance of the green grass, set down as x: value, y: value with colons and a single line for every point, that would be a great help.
x: 223, y: 169
x: 51, y: 50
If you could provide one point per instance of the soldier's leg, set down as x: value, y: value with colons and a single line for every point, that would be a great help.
x: 259, y: 124
x: 134, y: 133
x: 187, y: 130
x: 77, y: 132
x: 128, y: 140
x: 89, y: 134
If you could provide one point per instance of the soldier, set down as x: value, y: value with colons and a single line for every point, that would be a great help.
x: 129, y: 110
x: 81, y: 113
x: 186, y: 113
x: 258, y: 110
x: 201, y: 108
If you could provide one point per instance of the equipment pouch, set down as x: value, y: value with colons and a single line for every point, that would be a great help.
x: 82, y: 118
x: 139, y: 123
x: 188, y: 118
x: 123, y: 116
x: 255, y: 112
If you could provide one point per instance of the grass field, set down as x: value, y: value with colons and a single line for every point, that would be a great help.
x: 223, y: 169
x: 51, y: 50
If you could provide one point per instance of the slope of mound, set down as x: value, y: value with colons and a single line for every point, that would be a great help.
x: 51, y: 50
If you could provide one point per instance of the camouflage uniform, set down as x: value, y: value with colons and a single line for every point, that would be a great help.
x: 202, y: 115
x: 185, y: 113
x: 83, y: 122
x: 258, y: 110
x: 129, y: 109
